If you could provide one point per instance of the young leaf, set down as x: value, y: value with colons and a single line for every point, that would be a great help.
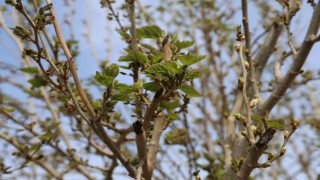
x: 111, y: 70
x: 158, y: 57
x: 9, y: 109
x: 46, y: 137
x: 189, y: 59
x: 34, y: 147
x: 171, y: 105
x: 134, y: 56
x: 151, y: 32
x: 123, y: 88
x: 184, y: 44
x: 172, y: 66
x: 277, y: 123
x: 121, y: 97
x: 104, y: 80
x: 137, y: 85
x: 158, y: 68
x: 177, y: 136
x: 191, y: 74
x: 125, y: 35
x: 53, y: 126
x: 29, y: 70
x: 188, y: 90
x: 151, y: 86
x: 37, y: 81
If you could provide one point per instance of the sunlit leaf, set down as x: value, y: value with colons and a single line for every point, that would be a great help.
x: 189, y: 59
x: 177, y: 137
x: 125, y: 35
x: 111, y: 70
x: 188, y: 90
x: 170, y: 104
x: 172, y: 66
x: 34, y: 147
x: 123, y: 88
x: 151, y: 32
x: 158, y: 68
x: 191, y: 74
x: 184, y: 44
x: 37, y: 81
x: 103, y: 79
x: 151, y: 86
x: 134, y: 56
x: 29, y: 70
x: 277, y: 123
x: 53, y: 126
x: 156, y: 58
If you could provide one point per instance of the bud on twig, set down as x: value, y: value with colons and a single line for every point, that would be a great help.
x: 286, y: 135
x: 237, y: 47
x: 283, y: 151
x: 253, y: 103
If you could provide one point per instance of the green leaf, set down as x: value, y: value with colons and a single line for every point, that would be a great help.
x: 189, y: 59
x: 256, y: 119
x: 30, y: 70
x: 123, y: 88
x: 151, y: 86
x: 9, y: 109
x: 134, y: 56
x: 151, y: 32
x: 97, y: 105
x: 34, y: 147
x: 125, y: 35
x: 184, y: 44
x: 72, y: 164
x: 137, y: 85
x: 37, y: 81
x: 125, y: 67
x: 156, y: 58
x: 170, y: 105
x: 121, y: 97
x: 191, y: 74
x: 104, y: 80
x: 172, y: 116
x: 158, y: 68
x: 172, y: 66
x: 177, y: 136
x: 208, y: 157
x: 277, y: 123
x: 45, y: 137
x: 111, y: 70
x: 188, y: 90
x: 53, y: 126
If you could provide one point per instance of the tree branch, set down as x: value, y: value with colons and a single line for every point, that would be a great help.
x: 295, y: 68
